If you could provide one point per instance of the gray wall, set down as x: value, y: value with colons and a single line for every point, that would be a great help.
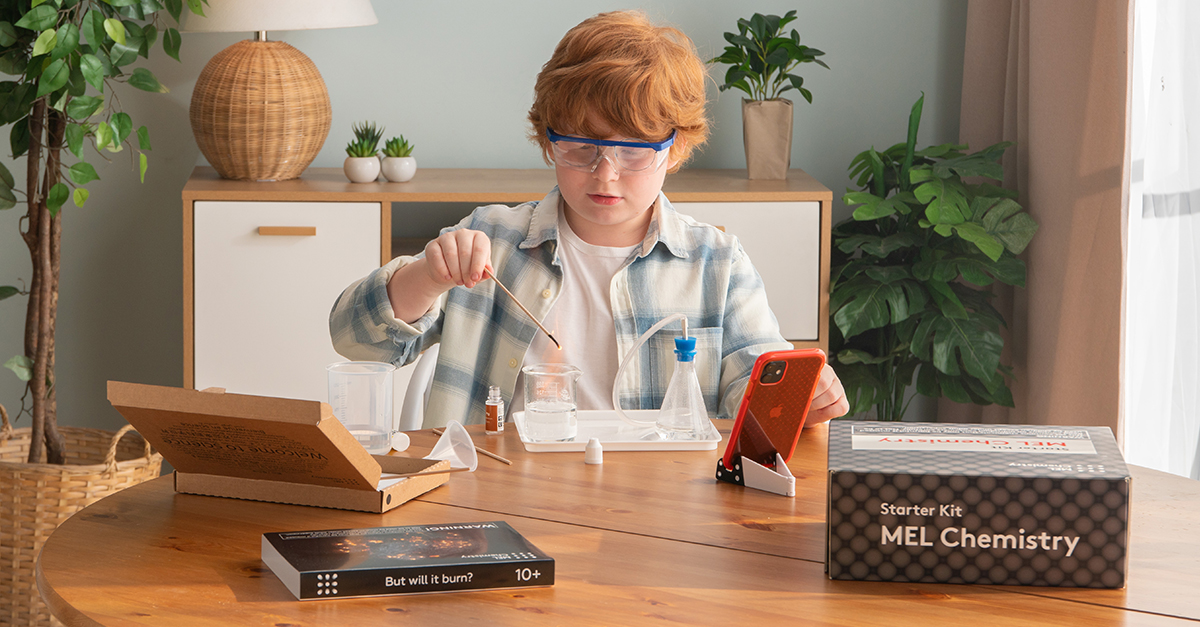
x: 447, y: 75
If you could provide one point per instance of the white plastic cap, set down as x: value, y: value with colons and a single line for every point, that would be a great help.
x: 593, y: 453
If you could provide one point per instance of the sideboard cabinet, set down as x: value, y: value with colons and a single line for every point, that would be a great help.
x: 264, y: 261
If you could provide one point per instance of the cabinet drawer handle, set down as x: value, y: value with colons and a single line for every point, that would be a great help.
x: 287, y: 230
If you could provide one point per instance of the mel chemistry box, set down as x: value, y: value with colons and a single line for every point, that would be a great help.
x: 964, y: 503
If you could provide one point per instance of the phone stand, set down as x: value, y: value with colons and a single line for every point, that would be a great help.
x: 750, y: 474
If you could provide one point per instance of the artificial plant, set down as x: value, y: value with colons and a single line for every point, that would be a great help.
x: 67, y: 57
x: 912, y: 275
x: 762, y: 58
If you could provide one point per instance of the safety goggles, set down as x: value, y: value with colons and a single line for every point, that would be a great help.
x: 584, y: 154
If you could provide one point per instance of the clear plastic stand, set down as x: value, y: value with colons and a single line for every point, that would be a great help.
x: 750, y: 474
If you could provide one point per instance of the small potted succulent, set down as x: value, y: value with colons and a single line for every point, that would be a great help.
x: 362, y: 162
x: 398, y: 163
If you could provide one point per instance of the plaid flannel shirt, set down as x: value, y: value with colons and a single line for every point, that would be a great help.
x: 682, y: 266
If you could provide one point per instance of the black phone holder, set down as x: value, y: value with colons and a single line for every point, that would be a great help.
x: 751, y: 474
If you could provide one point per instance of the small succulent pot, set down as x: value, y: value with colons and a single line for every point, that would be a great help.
x: 399, y: 169
x: 361, y: 169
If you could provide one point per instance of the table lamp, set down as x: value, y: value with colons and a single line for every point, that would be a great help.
x: 260, y: 110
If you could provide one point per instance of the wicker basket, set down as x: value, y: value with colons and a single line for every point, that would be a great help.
x: 36, y: 498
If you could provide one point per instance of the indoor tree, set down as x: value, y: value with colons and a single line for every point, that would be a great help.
x: 67, y: 58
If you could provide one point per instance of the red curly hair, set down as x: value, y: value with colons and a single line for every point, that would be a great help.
x: 643, y: 80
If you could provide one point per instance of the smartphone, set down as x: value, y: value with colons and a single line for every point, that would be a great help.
x: 774, y: 406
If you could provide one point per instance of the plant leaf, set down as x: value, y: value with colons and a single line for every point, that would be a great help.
x: 144, y: 80
x: 975, y: 234
x: 45, y: 42
x: 7, y: 199
x: 57, y: 196
x: 122, y: 126
x: 83, y: 173
x: 68, y: 41
x: 914, y: 123
x: 143, y: 138
x: 946, y: 341
x: 864, y: 304
x: 93, y: 29
x: 21, y: 365
x: 7, y: 291
x: 1010, y: 225
x: 175, y: 8
x: 6, y: 177
x: 947, y: 301
x: 103, y: 134
x: 115, y: 29
x: 195, y: 7
x: 18, y: 137
x: 93, y: 71
x: 53, y: 77
x: 171, y: 42
x: 39, y: 18
x: 80, y: 196
x: 84, y: 107
x: 142, y: 165
x: 8, y: 34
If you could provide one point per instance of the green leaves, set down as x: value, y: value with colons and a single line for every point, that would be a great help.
x: 83, y: 173
x: 144, y: 80
x: 7, y: 291
x: 21, y: 366
x: 171, y: 41
x: 115, y: 29
x: 39, y: 18
x: 57, y: 196
x: 84, y: 107
x: 45, y: 42
x: 93, y: 71
x: 53, y: 77
x: 905, y: 265
x: 67, y: 41
x: 762, y: 58
x: 80, y: 196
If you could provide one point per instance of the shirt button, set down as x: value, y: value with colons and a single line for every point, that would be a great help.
x: 512, y: 363
x: 546, y: 293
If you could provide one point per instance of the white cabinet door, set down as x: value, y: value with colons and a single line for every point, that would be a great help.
x: 262, y: 301
x: 783, y: 240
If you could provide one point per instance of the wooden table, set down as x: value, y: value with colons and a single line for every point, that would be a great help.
x: 645, y: 538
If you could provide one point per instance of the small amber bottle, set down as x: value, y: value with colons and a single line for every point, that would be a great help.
x: 494, y: 423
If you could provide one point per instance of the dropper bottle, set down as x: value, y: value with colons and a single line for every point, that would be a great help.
x: 683, y: 415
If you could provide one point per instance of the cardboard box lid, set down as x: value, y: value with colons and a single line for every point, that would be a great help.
x: 975, y: 449
x: 251, y: 437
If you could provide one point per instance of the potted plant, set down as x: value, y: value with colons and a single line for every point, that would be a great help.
x: 398, y: 163
x: 65, y: 60
x: 912, y: 270
x: 762, y: 61
x: 362, y: 162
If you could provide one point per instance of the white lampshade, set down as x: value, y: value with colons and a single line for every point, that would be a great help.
x: 235, y: 16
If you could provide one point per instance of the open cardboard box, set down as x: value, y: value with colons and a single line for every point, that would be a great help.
x: 267, y: 449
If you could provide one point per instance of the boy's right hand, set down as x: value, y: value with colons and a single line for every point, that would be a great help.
x: 458, y: 258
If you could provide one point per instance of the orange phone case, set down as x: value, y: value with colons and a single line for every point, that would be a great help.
x: 772, y: 415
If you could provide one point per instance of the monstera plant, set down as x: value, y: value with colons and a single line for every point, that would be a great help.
x: 66, y: 59
x: 913, y: 270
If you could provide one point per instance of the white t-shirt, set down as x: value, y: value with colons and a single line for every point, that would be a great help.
x: 581, y: 319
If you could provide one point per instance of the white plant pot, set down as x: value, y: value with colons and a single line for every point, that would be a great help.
x: 361, y: 169
x: 399, y: 169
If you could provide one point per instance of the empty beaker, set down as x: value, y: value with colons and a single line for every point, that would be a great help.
x: 550, y: 402
x: 360, y: 393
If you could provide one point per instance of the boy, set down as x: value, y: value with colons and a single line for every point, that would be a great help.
x: 603, y: 257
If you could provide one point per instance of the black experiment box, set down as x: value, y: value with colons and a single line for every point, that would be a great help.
x: 967, y: 503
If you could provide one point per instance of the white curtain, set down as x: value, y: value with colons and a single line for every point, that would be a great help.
x: 1161, y: 425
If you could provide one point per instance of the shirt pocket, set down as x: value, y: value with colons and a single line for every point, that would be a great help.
x: 708, y: 363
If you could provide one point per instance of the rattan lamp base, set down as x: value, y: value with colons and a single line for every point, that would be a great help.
x: 260, y: 111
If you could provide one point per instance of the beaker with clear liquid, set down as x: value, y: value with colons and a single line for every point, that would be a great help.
x: 360, y: 394
x: 550, y: 402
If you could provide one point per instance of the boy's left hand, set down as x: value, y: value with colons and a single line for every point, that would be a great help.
x: 829, y: 398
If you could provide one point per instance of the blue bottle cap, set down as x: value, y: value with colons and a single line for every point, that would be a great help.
x: 685, y: 348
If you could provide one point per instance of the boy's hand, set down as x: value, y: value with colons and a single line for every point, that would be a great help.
x: 829, y: 399
x: 458, y: 258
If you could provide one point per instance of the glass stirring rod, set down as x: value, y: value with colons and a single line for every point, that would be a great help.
x: 488, y: 272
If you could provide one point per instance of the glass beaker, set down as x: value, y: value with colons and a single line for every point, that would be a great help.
x: 360, y: 394
x: 550, y: 405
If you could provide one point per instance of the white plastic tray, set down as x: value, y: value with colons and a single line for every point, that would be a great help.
x: 617, y: 435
